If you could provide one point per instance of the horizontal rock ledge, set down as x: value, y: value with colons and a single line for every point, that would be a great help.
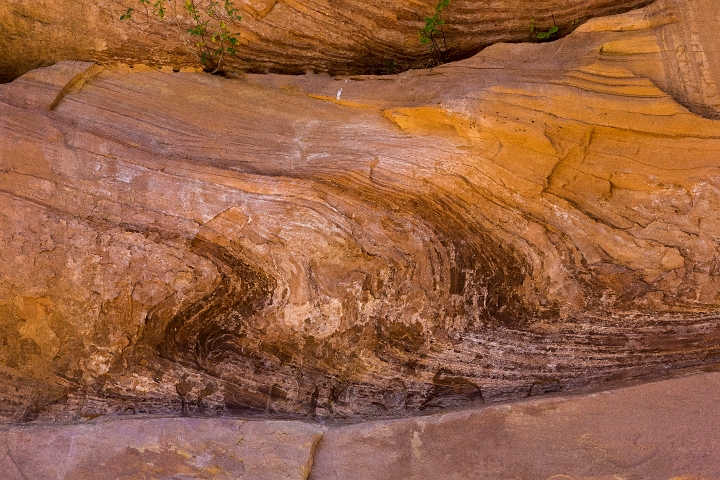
x: 661, y: 430
x: 338, y: 37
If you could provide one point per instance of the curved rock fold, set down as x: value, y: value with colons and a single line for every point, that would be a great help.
x: 538, y: 218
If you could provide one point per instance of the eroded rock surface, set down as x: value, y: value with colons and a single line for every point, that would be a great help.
x: 537, y: 218
x: 161, y: 448
x: 657, y: 431
x: 653, y: 431
x: 287, y: 36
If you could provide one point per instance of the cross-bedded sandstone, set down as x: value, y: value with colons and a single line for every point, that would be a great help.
x: 537, y: 218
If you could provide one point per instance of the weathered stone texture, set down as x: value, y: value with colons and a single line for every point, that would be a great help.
x: 657, y: 431
x: 288, y: 36
x: 537, y: 218
x: 161, y: 448
x: 685, y: 39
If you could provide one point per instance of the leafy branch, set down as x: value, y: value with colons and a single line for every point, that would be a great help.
x: 433, y: 31
x: 535, y: 32
x: 210, y: 37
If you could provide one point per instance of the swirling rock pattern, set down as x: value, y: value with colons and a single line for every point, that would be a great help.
x: 281, y: 36
x: 538, y: 218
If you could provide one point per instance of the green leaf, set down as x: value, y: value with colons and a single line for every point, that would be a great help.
x: 553, y: 30
x: 197, y: 30
x: 127, y: 15
x: 158, y: 9
x: 543, y: 35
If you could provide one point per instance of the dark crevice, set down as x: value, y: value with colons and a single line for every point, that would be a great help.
x: 466, y: 36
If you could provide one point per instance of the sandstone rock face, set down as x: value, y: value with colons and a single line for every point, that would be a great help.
x: 654, y: 431
x: 538, y: 218
x: 657, y: 431
x: 161, y: 448
x: 288, y: 36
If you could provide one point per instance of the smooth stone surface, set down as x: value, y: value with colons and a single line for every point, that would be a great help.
x: 659, y: 431
x: 160, y: 448
x: 45, y: 87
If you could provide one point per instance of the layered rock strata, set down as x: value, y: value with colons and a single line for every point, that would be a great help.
x: 538, y: 218
x: 656, y: 431
x: 285, y: 36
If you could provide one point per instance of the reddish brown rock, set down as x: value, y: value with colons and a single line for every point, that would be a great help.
x: 286, y: 36
x: 161, y: 448
x: 657, y: 431
x: 538, y: 218
x: 654, y: 431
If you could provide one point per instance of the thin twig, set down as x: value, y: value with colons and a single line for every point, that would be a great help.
x: 443, y: 35
x: 182, y: 31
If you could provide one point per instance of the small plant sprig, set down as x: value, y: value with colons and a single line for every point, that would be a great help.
x: 535, y: 32
x: 209, y: 37
x: 433, y: 30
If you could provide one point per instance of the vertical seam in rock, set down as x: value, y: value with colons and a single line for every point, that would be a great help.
x: 14, y: 463
x: 313, y: 452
